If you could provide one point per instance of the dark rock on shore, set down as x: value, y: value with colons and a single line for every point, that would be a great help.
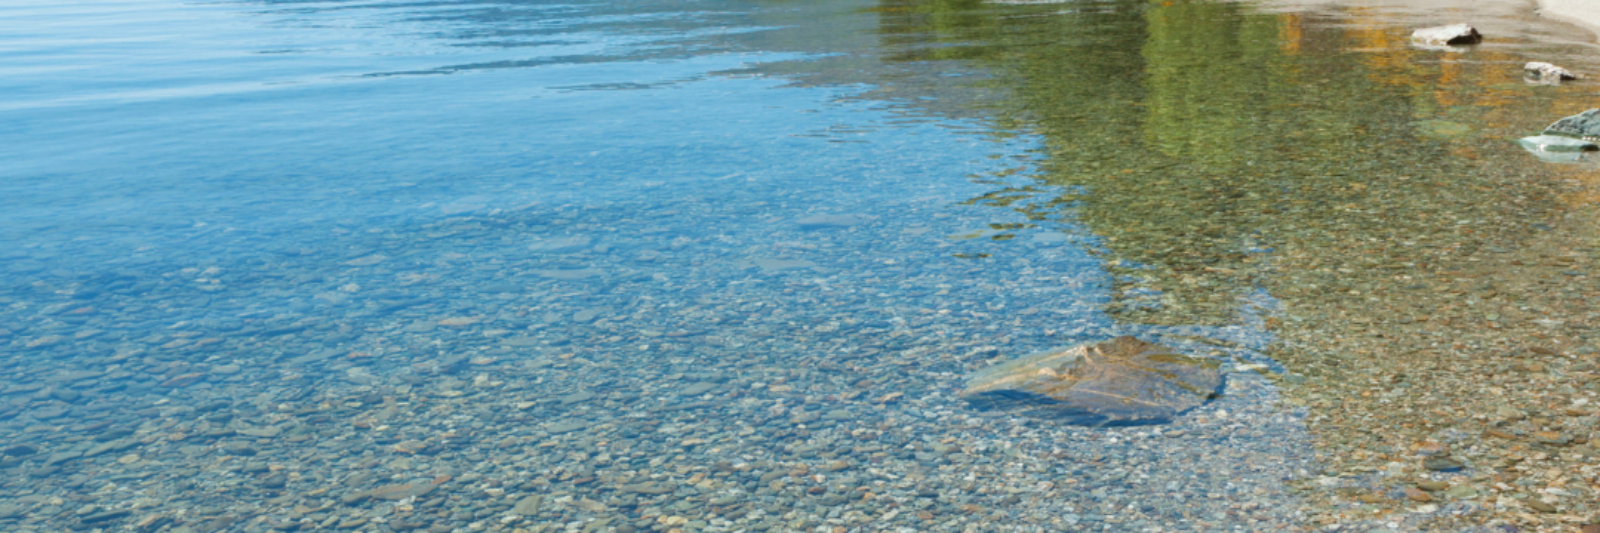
x: 1454, y: 34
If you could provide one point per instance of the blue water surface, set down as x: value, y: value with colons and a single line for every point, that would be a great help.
x: 268, y: 264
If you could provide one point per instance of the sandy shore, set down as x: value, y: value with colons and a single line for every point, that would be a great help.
x: 1493, y: 17
x: 1584, y: 12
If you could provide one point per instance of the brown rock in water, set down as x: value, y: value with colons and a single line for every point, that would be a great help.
x: 1120, y: 381
x: 1442, y: 464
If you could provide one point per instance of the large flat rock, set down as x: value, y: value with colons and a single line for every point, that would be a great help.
x: 1121, y: 381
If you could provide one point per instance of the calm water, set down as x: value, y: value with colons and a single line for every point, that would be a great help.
x: 653, y: 265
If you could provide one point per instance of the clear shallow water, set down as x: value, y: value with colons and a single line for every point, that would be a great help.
x: 654, y: 265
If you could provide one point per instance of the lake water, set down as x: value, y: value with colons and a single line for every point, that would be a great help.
x: 696, y: 266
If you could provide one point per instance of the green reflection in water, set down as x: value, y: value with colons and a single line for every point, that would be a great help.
x: 1219, y: 149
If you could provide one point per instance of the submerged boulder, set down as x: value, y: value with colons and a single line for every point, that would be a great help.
x: 1453, y: 34
x: 1122, y: 381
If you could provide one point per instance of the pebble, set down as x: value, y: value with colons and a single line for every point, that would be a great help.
x: 566, y: 427
x: 528, y: 505
x: 61, y: 457
x: 1442, y: 464
x: 696, y: 389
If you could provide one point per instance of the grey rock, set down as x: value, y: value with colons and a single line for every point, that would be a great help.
x: 351, y: 523
x: 528, y: 506
x: 275, y: 481
x: 394, y: 492
x: 577, y: 397
x: 420, y: 326
x: 1442, y: 464
x: 62, y: 457
x: 696, y: 389
x: 264, y: 433
x: 644, y: 488
x: 48, y: 412
x: 19, y: 450
x: 1585, y: 125
x: 105, y: 516
x: 566, y: 427
x: 107, y: 447
x: 113, y: 434
x: 239, y: 448
x: 587, y: 315
x: 520, y: 341
x: 316, y: 356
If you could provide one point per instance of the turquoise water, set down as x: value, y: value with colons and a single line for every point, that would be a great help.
x: 460, y: 266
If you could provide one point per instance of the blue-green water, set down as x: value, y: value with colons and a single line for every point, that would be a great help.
x: 651, y: 265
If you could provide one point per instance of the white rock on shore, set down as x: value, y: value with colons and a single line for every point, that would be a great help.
x: 1548, y: 73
